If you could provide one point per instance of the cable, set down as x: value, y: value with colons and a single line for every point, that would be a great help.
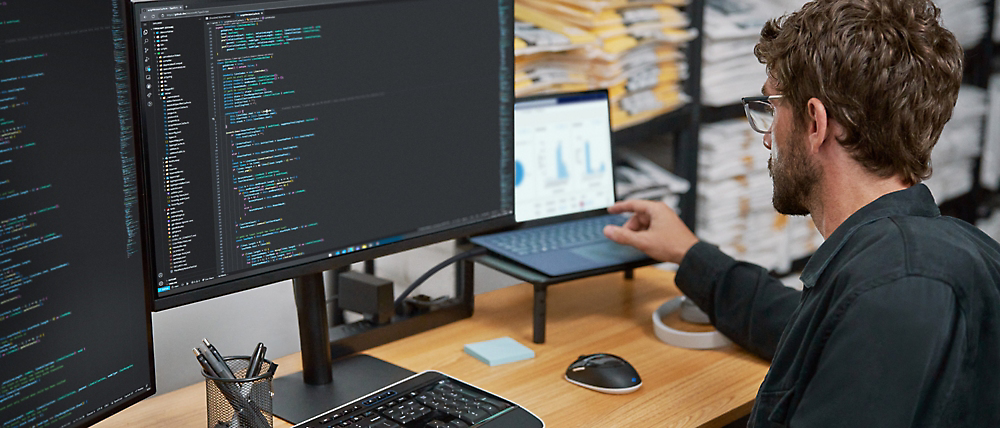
x: 478, y: 251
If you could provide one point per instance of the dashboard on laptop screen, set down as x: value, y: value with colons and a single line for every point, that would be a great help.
x: 562, y: 151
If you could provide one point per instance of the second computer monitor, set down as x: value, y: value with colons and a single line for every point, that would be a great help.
x: 75, y: 328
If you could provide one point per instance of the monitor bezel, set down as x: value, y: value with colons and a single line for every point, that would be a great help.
x: 287, y: 272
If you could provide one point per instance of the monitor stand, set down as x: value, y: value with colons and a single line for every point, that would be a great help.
x: 333, y: 371
x: 323, y: 383
x: 354, y: 376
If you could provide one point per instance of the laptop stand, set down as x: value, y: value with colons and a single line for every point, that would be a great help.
x: 540, y: 281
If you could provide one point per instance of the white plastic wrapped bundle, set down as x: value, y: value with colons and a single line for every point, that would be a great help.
x: 966, y: 19
x: 734, y: 200
x: 730, y: 149
x: 729, y: 68
x: 990, y: 167
x: 954, y: 155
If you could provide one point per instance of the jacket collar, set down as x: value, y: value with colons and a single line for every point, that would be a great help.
x: 913, y: 201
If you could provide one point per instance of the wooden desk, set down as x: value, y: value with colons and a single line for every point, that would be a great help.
x: 681, y: 388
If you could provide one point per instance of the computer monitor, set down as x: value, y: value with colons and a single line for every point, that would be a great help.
x: 282, y: 138
x: 75, y: 333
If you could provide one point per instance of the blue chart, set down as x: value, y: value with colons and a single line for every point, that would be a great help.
x: 590, y: 165
x: 518, y: 173
x: 562, y: 173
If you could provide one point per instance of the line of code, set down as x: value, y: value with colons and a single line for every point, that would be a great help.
x: 263, y: 144
x: 125, y: 134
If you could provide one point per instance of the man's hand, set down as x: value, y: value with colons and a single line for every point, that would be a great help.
x: 654, y: 229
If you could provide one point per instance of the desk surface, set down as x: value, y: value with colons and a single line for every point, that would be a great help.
x: 681, y: 388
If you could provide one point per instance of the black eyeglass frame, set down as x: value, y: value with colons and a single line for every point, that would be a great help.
x: 763, y: 99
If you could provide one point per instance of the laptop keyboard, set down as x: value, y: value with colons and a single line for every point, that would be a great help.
x: 430, y: 399
x: 555, y: 236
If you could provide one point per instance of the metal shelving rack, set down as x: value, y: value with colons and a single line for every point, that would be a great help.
x: 682, y: 124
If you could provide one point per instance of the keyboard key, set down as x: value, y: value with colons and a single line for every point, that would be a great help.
x: 488, y: 408
x: 500, y: 405
x: 472, y: 415
x: 450, y: 411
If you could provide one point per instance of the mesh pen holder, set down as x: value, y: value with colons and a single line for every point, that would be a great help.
x: 241, y: 403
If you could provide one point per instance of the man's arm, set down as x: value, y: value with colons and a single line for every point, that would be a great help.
x: 883, y: 356
x: 743, y: 301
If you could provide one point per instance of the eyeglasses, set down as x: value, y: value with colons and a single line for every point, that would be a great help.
x: 760, y: 112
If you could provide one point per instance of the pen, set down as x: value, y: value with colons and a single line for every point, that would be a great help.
x: 223, y: 371
x: 218, y: 366
x: 256, y: 361
x: 204, y: 363
x: 247, y: 412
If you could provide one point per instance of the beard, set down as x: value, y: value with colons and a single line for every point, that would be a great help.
x: 794, y: 177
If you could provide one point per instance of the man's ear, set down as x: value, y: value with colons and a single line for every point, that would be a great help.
x: 817, y: 124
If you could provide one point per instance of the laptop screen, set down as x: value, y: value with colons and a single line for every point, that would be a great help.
x: 562, y: 152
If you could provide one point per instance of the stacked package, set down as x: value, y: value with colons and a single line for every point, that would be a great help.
x: 732, y: 27
x: 729, y: 69
x: 954, y: 156
x: 967, y: 19
x: 630, y: 47
x: 637, y: 177
x: 734, y: 201
x: 990, y: 166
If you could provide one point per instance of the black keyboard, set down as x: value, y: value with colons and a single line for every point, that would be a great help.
x: 429, y: 399
x: 554, y: 236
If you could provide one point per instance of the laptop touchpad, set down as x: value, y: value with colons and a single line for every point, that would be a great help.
x: 609, y: 251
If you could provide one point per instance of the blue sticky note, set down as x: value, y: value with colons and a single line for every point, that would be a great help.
x: 499, y: 351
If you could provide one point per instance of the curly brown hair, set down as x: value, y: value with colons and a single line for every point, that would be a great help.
x: 886, y: 70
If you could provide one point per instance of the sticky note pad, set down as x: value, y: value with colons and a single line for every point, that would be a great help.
x: 499, y: 351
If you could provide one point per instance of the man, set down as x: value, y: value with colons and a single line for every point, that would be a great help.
x: 898, y: 323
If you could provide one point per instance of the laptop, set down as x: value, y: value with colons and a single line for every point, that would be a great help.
x: 563, y: 184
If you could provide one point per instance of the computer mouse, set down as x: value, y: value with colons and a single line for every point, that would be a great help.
x: 605, y: 373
